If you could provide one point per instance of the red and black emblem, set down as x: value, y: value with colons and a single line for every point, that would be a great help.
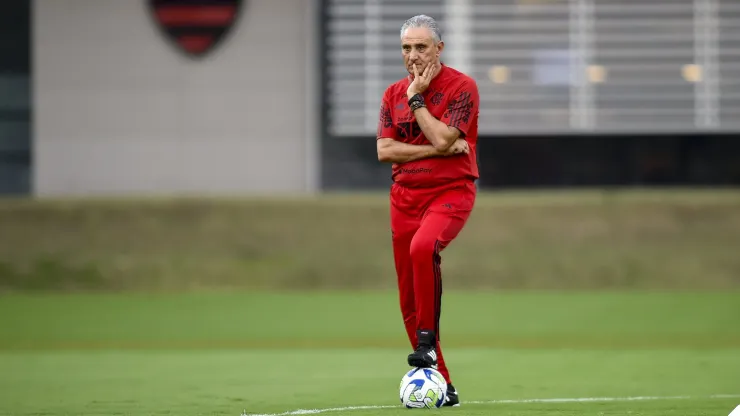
x: 196, y: 26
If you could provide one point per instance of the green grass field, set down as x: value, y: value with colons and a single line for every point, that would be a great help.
x: 556, y: 303
x: 510, y: 353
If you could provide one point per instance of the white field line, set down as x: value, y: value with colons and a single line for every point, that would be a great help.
x: 515, y: 401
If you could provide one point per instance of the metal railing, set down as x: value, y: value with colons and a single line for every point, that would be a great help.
x: 550, y: 66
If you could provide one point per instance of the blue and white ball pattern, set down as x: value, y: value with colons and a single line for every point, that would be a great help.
x: 423, y: 388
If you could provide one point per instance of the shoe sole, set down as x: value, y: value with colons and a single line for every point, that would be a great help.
x: 417, y: 362
x: 451, y: 405
x: 449, y: 402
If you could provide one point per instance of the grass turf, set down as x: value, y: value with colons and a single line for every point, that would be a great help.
x: 368, y: 319
x: 228, y: 382
x: 224, y: 353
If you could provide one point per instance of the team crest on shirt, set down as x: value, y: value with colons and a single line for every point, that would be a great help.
x: 195, y: 27
x: 437, y: 98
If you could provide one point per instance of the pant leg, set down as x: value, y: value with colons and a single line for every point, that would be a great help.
x: 403, y: 227
x: 445, y: 218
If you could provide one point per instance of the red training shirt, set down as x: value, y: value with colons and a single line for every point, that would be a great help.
x: 452, y: 98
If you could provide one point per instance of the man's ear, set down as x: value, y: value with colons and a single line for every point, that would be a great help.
x: 440, y: 46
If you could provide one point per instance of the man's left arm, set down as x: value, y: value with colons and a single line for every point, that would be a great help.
x: 456, y: 120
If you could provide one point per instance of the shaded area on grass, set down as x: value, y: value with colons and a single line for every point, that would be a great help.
x: 318, y: 320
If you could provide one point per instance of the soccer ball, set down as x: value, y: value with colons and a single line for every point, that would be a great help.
x: 423, y: 388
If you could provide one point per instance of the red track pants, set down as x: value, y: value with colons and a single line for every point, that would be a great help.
x: 423, y: 222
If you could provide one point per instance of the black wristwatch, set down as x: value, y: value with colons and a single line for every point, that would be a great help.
x: 416, y: 102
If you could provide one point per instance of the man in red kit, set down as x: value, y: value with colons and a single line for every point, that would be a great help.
x: 428, y: 129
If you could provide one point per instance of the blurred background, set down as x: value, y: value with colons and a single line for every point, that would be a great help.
x: 114, y: 97
x: 226, y: 149
x: 624, y: 112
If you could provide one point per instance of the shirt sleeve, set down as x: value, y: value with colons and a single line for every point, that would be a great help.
x: 385, y: 120
x: 463, y: 106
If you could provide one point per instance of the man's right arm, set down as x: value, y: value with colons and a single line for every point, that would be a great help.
x: 394, y: 151
x: 391, y: 151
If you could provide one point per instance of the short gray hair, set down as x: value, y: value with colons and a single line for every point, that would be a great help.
x: 423, y: 20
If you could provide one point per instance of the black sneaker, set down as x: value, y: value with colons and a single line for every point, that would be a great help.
x: 452, y: 398
x: 425, y: 355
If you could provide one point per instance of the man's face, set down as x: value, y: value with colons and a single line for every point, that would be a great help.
x: 418, y: 48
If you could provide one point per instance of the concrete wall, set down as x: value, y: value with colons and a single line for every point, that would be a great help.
x: 118, y: 110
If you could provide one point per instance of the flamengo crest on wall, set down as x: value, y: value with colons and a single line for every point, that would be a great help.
x: 195, y: 26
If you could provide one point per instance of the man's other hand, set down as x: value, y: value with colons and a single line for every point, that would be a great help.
x: 459, y: 147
